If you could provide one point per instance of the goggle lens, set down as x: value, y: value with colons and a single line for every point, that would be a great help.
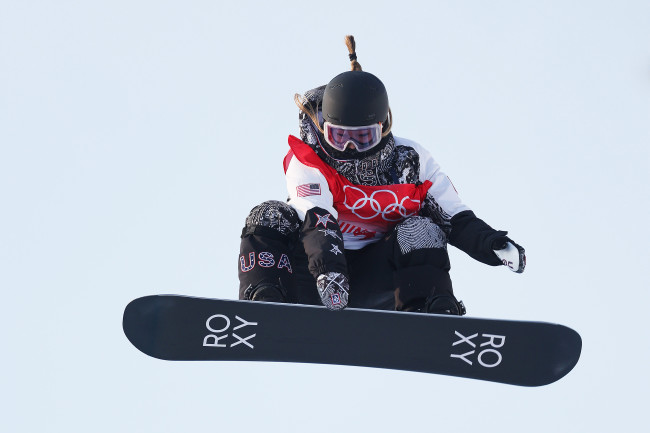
x: 363, y: 138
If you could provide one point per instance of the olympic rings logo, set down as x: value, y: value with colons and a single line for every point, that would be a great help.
x: 370, y: 207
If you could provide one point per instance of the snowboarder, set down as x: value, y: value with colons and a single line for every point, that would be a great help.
x: 369, y: 215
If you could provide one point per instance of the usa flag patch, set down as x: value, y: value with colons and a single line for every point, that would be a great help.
x: 308, y: 189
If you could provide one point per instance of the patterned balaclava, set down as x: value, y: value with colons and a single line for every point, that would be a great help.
x: 374, y: 167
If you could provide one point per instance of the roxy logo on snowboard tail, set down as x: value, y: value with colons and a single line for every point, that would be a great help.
x: 485, y: 352
x: 223, y: 335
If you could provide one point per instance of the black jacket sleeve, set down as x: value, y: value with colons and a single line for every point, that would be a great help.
x: 473, y: 236
x: 323, y: 242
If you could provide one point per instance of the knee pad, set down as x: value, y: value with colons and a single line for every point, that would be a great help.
x: 275, y: 215
x: 417, y: 233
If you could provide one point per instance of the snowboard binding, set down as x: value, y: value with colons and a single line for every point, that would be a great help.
x: 445, y: 305
x: 266, y: 292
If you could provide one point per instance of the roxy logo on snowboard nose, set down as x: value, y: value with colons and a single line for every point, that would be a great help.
x: 488, y: 355
x: 219, y: 325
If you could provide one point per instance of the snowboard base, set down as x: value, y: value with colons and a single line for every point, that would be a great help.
x: 181, y: 328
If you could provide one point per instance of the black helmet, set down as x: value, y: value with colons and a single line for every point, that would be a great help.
x: 355, y: 98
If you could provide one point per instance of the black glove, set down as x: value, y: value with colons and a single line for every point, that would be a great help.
x: 511, y: 255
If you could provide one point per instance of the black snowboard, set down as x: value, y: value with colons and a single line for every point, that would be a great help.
x: 180, y: 328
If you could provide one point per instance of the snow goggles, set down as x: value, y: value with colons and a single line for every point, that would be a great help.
x: 361, y: 137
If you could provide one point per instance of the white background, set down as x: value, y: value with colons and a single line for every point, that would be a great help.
x: 135, y: 136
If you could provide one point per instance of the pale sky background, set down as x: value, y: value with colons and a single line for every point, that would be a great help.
x: 135, y: 136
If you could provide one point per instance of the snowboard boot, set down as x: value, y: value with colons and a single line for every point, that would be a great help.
x: 265, y: 292
x: 414, y: 306
x: 445, y: 304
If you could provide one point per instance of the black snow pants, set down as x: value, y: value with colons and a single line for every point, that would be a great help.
x: 401, y: 271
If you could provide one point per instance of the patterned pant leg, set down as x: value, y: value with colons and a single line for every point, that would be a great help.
x: 421, y: 261
x: 267, y: 242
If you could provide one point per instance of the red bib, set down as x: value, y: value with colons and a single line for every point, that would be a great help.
x: 379, y: 207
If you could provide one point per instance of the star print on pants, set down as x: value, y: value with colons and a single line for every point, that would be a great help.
x: 335, y: 250
x: 323, y: 219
